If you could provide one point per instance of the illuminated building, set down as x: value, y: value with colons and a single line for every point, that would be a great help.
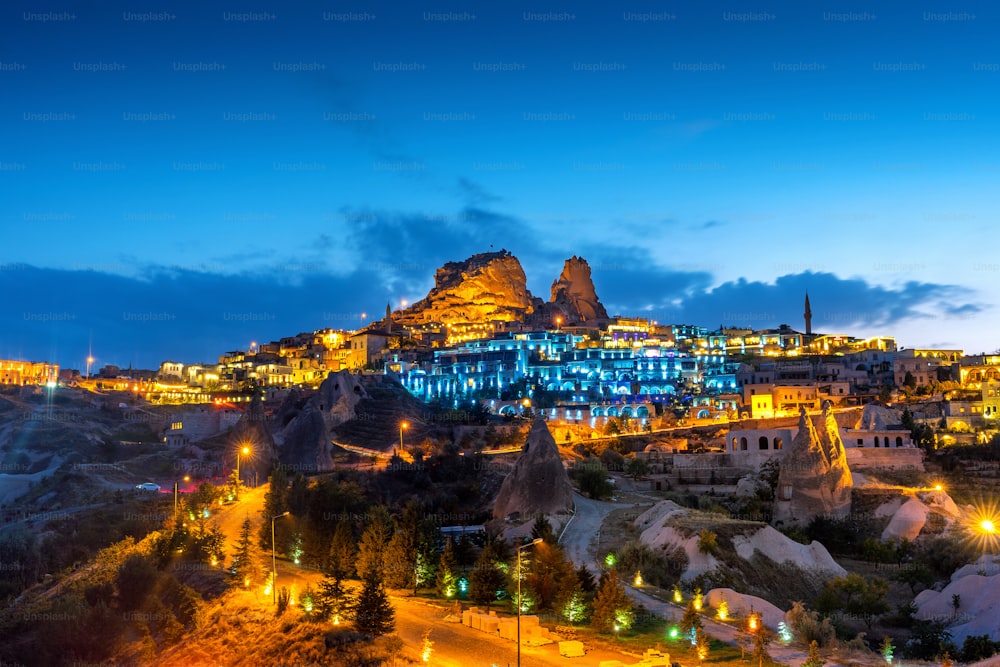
x: 28, y: 372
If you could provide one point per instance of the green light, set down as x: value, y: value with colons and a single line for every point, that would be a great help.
x: 610, y: 560
x: 674, y: 632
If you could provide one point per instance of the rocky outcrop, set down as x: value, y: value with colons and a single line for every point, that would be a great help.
x: 814, y: 471
x: 538, y: 484
x: 877, y: 418
x: 574, y: 296
x: 741, y: 604
x: 484, y: 288
x: 977, y: 587
x: 306, y: 446
x: 337, y: 398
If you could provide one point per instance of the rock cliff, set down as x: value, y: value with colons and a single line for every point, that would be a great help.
x: 814, y: 469
x: 574, y: 296
x: 483, y: 288
x: 492, y: 287
x: 538, y: 484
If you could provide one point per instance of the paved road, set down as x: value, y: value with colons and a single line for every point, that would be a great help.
x: 579, y: 540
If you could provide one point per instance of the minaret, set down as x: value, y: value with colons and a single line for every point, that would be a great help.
x: 809, y: 316
x: 388, y: 318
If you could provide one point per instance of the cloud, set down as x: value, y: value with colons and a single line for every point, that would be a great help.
x: 179, y: 314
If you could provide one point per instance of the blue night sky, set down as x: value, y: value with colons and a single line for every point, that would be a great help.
x: 178, y: 179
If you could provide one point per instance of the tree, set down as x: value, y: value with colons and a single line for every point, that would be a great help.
x: 373, y: 614
x: 708, y: 542
x: 761, y: 641
x: 636, y: 467
x: 135, y: 579
x: 593, y: 479
x: 978, y: 647
x: 814, y: 659
x: 700, y: 644
x: 853, y: 594
x: 333, y: 601
x: 612, y: 604
x: 372, y: 547
x: 447, y: 578
x: 340, y: 559
x: 691, y: 619
x: 246, y: 568
x: 909, y: 381
x: 487, y: 578
x: 543, y: 529
x: 914, y: 575
x: 551, y: 577
x: 586, y: 579
x: 401, y: 559
x: 275, y: 503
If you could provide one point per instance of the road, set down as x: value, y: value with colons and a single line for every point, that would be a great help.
x: 579, y: 539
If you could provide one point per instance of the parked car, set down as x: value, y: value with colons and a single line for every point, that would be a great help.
x: 147, y: 486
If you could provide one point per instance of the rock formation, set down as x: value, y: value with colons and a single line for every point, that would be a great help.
x: 814, y: 472
x: 538, y: 484
x: 484, y: 288
x: 337, y: 397
x: 306, y: 443
x: 573, y: 294
x: 491, y: 287
x: 877, y: 418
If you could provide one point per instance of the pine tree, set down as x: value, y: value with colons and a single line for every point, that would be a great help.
x: 543, y: 529
x: 761, y: 640
x: 487, y: 578
x: 372, y: 547
x: 246, y: 566
x: 401, y: 552
x: 586, y: 579
x: 373, y: 614
x: 691, y: 619
x: 275, y: 503
x: 814, y: 659
x: 333, y: 601
x: 612, y: 603
x: 447, y: 579
x: 700, y: 644
x: 340, y: 559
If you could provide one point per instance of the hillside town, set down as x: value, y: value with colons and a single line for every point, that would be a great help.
x: 685, y: 492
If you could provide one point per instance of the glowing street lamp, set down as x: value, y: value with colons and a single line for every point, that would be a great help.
x: 987, y: 526
x: 90, y: 360
x: 402, y: 427
x: 532, y: 543
x: 274, y: 562
x: 245, y: 451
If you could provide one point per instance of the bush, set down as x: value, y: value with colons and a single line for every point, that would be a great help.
x: 284, y: 597
x: 136, y: 578
x: 807, y: 626
x: 658, y: 567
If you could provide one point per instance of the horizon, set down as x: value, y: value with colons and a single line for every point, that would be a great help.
x: 181, y: 182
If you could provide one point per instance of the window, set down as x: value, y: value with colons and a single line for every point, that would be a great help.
x: 861, y: 442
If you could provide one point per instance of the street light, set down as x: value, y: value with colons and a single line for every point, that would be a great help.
x: 245, y: 451
x: 532, y: 543
x: 187, y: 478
x: 90, y: 360
x: 274, y: 562
x: 402, y: 426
